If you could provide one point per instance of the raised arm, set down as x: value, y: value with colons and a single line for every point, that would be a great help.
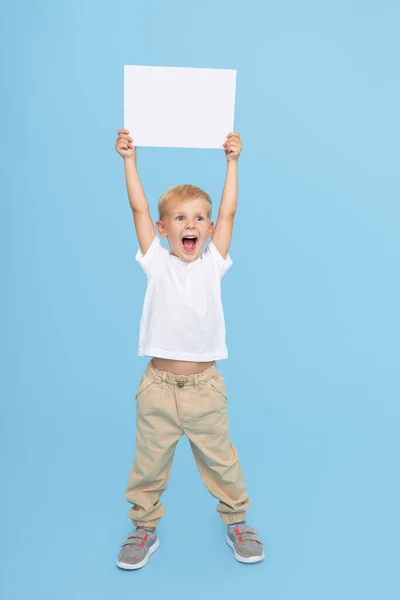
x: 145, y: 230
x: 226, y: 215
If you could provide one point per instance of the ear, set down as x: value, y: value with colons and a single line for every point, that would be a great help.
x: 211, y: 229
x: 161, y: 228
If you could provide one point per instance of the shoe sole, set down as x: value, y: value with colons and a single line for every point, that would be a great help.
x: 243, y: 559
x: 142, y: 563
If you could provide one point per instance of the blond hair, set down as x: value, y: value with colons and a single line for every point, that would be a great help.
x: 182, y: 192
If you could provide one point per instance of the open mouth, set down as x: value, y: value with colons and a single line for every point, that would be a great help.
x: 189, y: 243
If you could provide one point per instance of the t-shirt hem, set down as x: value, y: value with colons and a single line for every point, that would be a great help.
x: 152, y: 352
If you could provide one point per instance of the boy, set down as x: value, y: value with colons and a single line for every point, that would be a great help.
x: 182, y: 329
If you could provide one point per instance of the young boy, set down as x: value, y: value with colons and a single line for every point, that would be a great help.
x: 182, y: 329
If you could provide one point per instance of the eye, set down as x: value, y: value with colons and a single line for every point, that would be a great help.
x: 200, y: 218
x: 180, y: 217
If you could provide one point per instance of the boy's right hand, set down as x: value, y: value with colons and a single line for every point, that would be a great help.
x: 124, y: 145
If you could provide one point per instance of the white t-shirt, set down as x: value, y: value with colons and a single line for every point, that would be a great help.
x: 182, y: 317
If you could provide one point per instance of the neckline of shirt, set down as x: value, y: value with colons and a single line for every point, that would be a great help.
x: 183, y: 262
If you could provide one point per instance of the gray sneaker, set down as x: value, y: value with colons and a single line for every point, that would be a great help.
x: 246, y: 546
x: 137, y: 549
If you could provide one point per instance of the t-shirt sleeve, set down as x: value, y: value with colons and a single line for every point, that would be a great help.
x: 152, y: 257
x: 221, y: 265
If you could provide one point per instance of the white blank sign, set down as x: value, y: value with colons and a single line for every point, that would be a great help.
x: 178, y: 106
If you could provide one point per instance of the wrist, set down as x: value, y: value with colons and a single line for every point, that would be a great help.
x: 231, y: 165
x: 130, y: 161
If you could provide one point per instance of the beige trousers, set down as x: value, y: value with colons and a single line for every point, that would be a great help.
x: 167, y: 407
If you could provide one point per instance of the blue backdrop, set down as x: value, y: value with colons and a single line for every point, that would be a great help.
x: 312, y: 302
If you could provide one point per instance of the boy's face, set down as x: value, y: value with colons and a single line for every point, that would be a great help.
x: 187, y: 226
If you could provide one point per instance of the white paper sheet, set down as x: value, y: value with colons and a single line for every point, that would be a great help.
x: 178, y: 106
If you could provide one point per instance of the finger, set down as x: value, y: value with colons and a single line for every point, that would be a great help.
x: 233, y: 134
x: 123, y: 131
x: 125, y: 137
x: 123, y: 145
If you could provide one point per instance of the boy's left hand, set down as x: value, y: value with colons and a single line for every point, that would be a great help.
x: 232, y: 146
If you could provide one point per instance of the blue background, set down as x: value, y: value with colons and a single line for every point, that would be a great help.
x: 312, y: 302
